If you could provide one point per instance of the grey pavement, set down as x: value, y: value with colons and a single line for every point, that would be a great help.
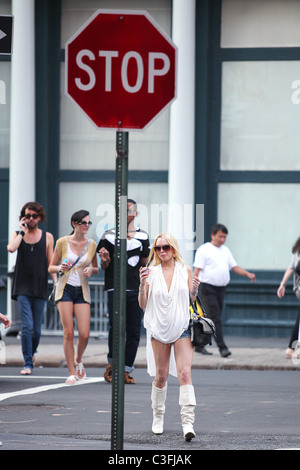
x: 251, y: 409
x: 247, y: 354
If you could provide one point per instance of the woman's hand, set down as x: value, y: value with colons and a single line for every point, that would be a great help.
x: 64, y: 266
x: 87, y: 272
x: 195, y: 285
x: 5, y: 320
x: 144, y: 273
x: 280, y: 291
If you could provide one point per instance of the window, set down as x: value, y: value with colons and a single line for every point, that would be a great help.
x: 260, y: 23
x: 259, y: 124
x: 261, y: 222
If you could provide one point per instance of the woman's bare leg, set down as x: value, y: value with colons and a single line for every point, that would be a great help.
x: 66, y: 315
x: 83, y: 317
x: 162, y: 360
x: 184, y: 353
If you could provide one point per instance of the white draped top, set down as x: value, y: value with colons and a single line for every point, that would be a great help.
x: 167, y: 311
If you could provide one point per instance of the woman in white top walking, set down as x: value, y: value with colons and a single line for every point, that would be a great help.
x: 164, y: 295
x: 76, y: 260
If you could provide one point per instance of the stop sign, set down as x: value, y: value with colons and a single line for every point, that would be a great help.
x: 121, y: 69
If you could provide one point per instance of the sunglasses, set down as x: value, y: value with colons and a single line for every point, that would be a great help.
x: 29, y: 216
x: 84, y: 223
x: 164, y: 247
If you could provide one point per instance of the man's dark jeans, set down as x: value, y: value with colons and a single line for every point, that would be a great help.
x: 212, y: 298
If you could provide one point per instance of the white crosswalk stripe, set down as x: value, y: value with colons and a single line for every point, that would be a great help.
x: 44, y: 388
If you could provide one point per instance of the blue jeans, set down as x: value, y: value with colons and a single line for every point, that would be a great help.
x: 134, y: 315
x: 31, y: 312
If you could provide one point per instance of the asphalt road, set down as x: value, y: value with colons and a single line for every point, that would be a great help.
x: 236, y: 410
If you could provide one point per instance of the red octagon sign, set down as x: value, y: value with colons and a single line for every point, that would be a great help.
x: 121, y: 69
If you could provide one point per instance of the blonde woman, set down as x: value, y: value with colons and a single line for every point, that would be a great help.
x: 165, y: 286
x: 75, y: 257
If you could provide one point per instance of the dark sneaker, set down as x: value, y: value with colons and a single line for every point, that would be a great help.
x: 225, y: 352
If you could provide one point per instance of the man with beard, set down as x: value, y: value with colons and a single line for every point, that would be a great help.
x: 30, y: 282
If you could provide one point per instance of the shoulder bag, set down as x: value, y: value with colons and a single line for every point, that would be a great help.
x: 202, y: 328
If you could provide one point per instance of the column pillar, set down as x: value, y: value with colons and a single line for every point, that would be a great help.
x: 182, y: 130
x: 22, y: 123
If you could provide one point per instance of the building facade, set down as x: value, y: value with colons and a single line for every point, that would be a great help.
x: 225, y: 151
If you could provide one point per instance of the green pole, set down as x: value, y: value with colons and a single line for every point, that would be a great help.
x: 120, y: 280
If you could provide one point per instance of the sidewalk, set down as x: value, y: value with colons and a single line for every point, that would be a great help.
x: 247, y: 353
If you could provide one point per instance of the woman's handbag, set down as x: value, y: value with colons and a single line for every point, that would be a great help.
x: 297, y: 290
x: 202, y: 328
x: 51, y: 297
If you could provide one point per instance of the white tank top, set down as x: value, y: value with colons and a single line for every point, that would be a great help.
x: 74, y: 279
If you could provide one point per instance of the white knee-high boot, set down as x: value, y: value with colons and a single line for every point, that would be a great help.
x: 158, y: 398
x: 187, y: 401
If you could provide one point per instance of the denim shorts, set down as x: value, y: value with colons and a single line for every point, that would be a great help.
x: 72, y: 294
x: 186, y: 334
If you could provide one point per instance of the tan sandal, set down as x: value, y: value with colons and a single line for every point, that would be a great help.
x: 108, y: 373
x: 128, y: 379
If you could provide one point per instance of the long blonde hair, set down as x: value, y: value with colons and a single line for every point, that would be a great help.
x: 154, y: 259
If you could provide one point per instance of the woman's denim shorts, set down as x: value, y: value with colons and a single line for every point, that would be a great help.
x: 72, y: 294
x: 186, y: 334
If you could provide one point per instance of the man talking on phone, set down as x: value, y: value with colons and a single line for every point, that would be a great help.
x: 30, y: 281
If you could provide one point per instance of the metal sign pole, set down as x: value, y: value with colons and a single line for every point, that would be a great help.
x: 120, y: 280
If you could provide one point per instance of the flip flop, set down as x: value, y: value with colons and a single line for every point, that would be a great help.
x: 80, y: 371
x: 71, y: 380
x: 26, y: 371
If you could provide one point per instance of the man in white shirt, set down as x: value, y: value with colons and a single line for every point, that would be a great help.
x: 212, y: 264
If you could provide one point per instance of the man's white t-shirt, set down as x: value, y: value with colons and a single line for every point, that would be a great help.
x: 215, y: 263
